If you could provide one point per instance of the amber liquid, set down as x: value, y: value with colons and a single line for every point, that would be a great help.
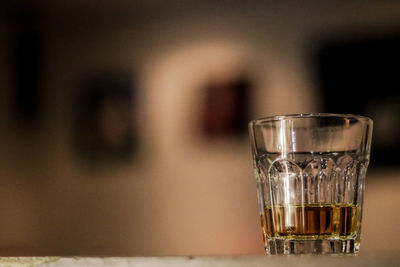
x: 310, y: 221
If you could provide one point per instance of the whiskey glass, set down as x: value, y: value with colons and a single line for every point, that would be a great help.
x: 310, y: 171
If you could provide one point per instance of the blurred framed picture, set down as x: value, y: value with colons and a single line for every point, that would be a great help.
x: 26, y: 65
x: 360, y: 76
x: 225, y: 111
x: 104, y: 117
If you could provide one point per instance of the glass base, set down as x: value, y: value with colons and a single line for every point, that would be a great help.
x: 323, y: 246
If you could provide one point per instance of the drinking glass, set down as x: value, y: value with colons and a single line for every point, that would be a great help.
x: 310, y: 171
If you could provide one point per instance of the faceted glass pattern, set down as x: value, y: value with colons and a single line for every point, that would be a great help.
x: 311, y: 200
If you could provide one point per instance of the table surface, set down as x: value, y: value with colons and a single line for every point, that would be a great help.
x: 279, y: 261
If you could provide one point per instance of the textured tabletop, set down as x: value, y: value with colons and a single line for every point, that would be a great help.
x: 359, y: 260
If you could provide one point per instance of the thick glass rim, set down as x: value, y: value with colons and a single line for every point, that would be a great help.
x: 274, y: 118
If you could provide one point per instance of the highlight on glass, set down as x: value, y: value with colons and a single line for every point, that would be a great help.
x: 310, y: 171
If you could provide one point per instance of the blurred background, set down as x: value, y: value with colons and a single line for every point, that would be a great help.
x: 123, y: 123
